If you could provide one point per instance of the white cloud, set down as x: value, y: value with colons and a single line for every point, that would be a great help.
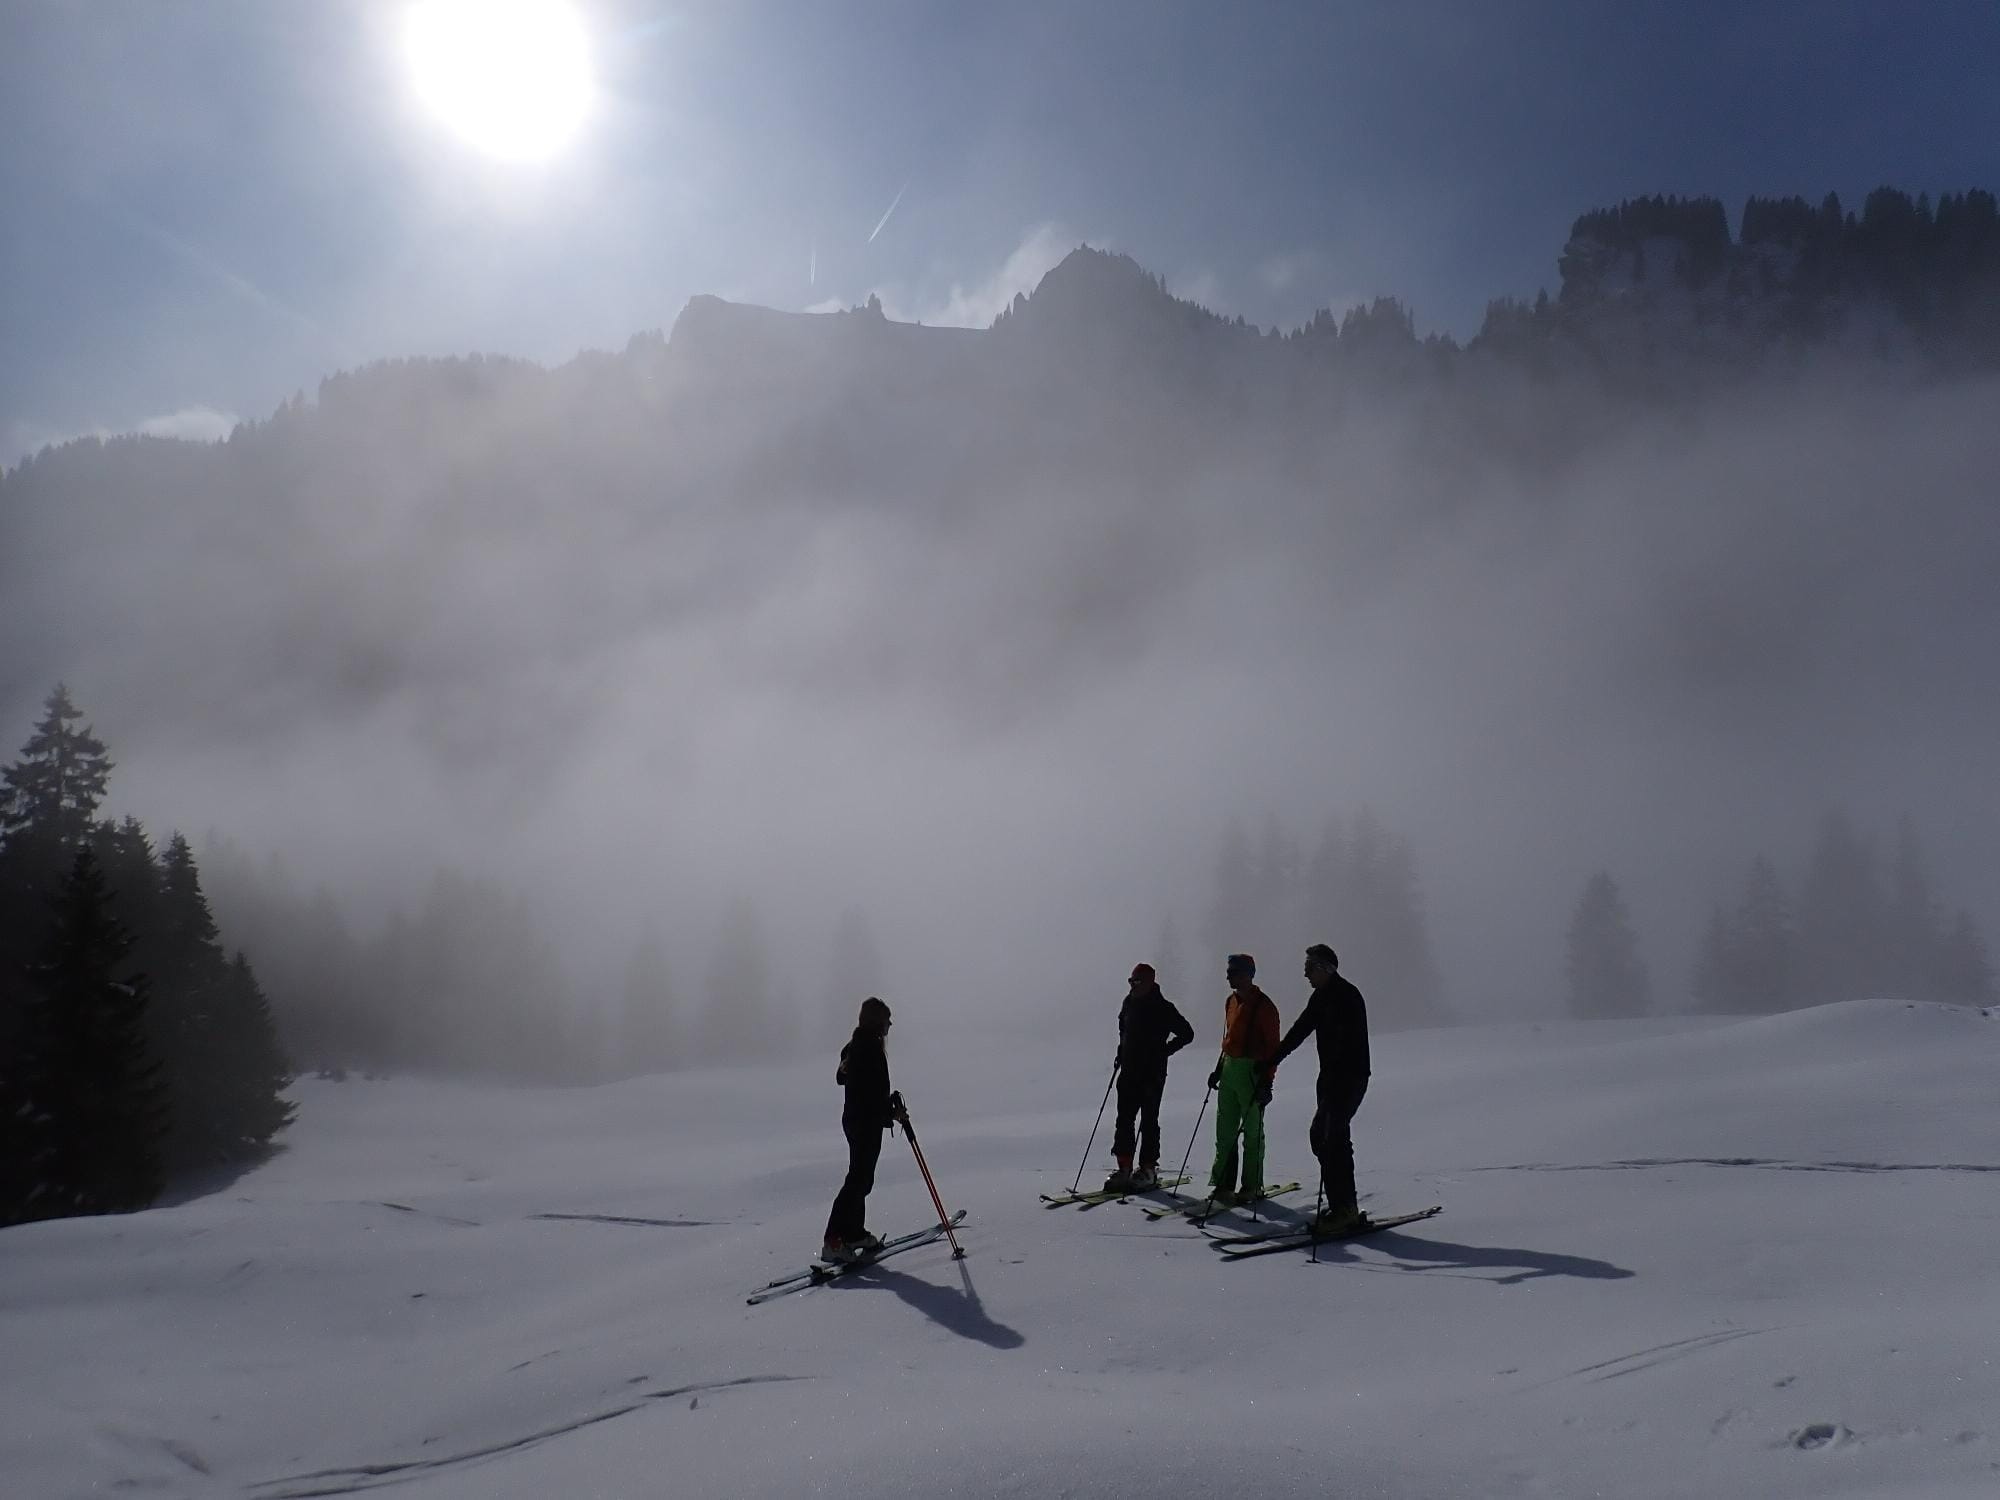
x: 977, y: 306
x: 195, y: 424
x: 962, y: 306
x: 1283, y: 272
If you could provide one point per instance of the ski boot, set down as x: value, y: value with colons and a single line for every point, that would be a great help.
x: 1145, y: 1179
x: 837, y: 1252
x: 1120, y: 1181
x: 867, y: 1242
x: 1334, y: 1220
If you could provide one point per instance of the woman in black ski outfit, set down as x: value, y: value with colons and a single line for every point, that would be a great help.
x: 871, y: 1107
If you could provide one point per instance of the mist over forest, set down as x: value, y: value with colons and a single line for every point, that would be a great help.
x: 973, y: 666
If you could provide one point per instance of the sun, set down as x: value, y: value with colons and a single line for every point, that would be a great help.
x: 512, y: 77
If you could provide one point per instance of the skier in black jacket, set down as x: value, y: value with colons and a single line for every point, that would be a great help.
x: 871, y: 1107
x: 1340, y: 1017
x: 1150, y: 1030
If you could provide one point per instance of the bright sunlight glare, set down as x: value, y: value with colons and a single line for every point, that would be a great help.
x: 512, y: 77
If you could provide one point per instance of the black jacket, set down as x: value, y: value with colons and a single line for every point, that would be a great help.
x: 1150, y: 1030
x: 1340, y: 1017
x: 864, y: 1072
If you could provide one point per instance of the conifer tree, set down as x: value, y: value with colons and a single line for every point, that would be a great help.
x: 48, y: 810
x: 1378, y: 923
x: 1232, y: 913
x: 1843, y: 927
x: 1714, y: 961
x: 649, y: 1027
x: 1396, y: 943
x: 1273, y: 925
x: 1915, y: 926
x: 1962, y: 972
x: 85, y: 1083
x: 1327, y: 888
x: 187, y: 967
x: 1763, y: 948
x: 49, y: 797
x: 133, y: 872
x: 1607, y: 978
x: 739, y: 1020
x: 251, y: 1072
x: 20, y: 1111
x: 225, y: 1070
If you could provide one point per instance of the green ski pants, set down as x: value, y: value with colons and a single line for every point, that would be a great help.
x: 1238, y: 1112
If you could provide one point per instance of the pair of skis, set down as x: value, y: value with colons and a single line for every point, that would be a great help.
x: 1107, y: 1195
x: 1243, y: 1246
x: 1201, y: 1210
x: 824, y: 1271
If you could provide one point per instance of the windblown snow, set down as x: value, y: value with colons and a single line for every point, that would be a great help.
x: 1692, y: 1257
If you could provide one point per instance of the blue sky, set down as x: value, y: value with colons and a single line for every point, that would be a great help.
x: 211, y: 203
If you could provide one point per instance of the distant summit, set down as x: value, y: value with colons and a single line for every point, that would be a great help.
x: 1092, y: 286
x: 1653, y: 293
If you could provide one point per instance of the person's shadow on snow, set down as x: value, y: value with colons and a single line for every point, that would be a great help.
x: 1420, y: 1253
x: 959, y: 1311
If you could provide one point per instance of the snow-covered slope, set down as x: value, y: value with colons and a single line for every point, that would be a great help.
x: 1755, y: 1258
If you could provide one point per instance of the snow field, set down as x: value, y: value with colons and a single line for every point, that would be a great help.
x: 1751, y: 1258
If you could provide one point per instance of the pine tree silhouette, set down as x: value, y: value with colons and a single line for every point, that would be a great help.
x: 739, y: 1020
x: 1843, y: 917
x: 49, y: 798
x: 251, y: 1070
x: 649, y: 1023
x: 1962, y: 971
x: 224, y: 1068
x: 48, y: 808
x: 93, y: 1109
x: 1605, y: 973
x: 1749, y: 959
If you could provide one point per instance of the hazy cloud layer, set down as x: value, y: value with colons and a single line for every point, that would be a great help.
x: 998, y: 650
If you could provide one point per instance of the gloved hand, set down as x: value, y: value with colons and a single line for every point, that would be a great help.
x: 1215, y: 1077
x: 1118, y: 1059
x: 1263, y: 1090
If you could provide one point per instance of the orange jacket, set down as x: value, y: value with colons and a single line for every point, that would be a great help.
x: 1249, y: 1027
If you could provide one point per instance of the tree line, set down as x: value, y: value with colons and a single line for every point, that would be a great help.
x: 135, y: 1051
x: 1352, y: 884
x: 1855, y: 922
x: 468, y: 981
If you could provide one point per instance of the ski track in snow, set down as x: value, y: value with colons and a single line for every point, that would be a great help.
x: 1659, y: 1354
x: 630, y: 1219
x: 423, y: 1213
x: 1760, y: 1162
x: 362, y: 1477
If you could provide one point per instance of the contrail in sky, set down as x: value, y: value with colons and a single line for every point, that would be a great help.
x: 892, y: 208
x: 217, y: 272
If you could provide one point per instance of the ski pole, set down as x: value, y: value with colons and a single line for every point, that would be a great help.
x: 1093, y: 1130
x: 1197, y: 1130
x: 1318, y: 1199
x: 944, y: 1219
